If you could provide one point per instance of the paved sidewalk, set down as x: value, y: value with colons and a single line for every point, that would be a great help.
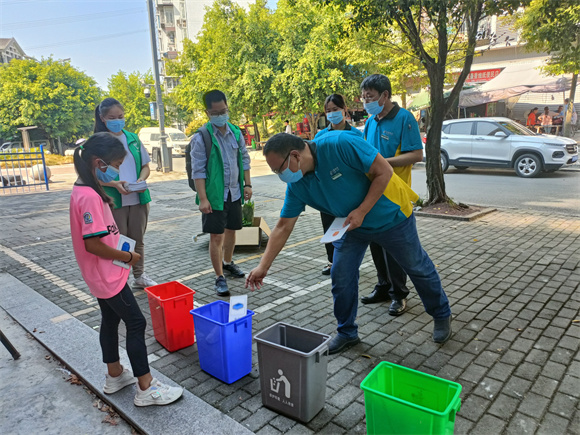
x: 37, y: 398
x: 512, y: 278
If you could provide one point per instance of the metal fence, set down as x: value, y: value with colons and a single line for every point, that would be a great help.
x: 22, y: 171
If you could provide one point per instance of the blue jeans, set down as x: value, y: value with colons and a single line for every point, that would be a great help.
x: 402, y: 243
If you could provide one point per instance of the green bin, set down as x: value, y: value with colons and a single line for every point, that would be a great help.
x: 399, y: 400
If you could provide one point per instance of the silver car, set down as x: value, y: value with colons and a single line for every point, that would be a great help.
x: 503, y: 143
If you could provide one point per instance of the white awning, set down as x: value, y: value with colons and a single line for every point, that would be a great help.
x: 514, y: 80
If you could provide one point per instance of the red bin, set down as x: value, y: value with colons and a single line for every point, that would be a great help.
x: 170, y: 304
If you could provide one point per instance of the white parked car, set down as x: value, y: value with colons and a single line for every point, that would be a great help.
x: 503, y: 143
x: 176, y: 139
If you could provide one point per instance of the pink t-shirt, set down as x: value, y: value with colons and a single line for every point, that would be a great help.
x: 90, y: 216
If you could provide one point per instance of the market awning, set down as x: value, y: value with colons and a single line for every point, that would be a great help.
x: 423, y: 99
x: 514, y: 80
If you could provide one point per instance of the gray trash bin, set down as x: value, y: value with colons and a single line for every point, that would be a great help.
x: 293, y: 367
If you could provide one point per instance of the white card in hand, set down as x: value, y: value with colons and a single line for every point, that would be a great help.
x: 336, y: 230
x: 125, y: 244
x: 238, y: 307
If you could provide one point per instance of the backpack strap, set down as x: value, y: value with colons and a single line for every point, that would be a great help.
x: 206, y: 140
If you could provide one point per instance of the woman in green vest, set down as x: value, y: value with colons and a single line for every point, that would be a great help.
x: 131, y: 208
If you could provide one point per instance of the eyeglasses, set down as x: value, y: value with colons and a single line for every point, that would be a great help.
x: 223, y: 112
x: 279, y: 170
x: 369, y: 99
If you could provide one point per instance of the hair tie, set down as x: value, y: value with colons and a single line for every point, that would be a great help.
x: 82, y: 147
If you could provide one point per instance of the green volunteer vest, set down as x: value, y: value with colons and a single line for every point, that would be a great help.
x: 134, y: 146
x: 214, y: 171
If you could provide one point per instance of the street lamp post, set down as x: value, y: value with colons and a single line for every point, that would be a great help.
x: 165, y: 154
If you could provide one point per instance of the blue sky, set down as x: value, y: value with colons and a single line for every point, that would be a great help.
x: 100, y: 37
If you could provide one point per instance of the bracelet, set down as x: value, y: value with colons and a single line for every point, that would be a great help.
x: 248, y: 185
x: 130, y: 259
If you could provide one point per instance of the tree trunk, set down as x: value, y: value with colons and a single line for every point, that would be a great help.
x: 567, y: 126
x: 404, y: 99
x: 435, y: 181
x: 257, y: 136
x: 313, y: 121
x: 265, y: 127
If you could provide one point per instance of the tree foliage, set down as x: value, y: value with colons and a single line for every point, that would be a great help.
x: 434, y: 29
x: 128, y: 89
x: 286, y: 61
x: 553, y: 27
x: 51, y: 94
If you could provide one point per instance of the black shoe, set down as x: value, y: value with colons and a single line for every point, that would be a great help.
x: 442, y: 330
x: 398, y: 307
x: 339, y: 343
x: 326, y: 269
x: 378, y: 295
x: 221, y: 286
x: 234, y: 270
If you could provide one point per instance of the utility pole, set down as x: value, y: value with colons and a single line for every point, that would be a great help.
x: 165, y: 154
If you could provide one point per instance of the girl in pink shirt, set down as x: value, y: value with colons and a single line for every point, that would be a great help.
x: 95, y: 236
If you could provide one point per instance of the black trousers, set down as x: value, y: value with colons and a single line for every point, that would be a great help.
x: 327, y: 220
x: 123, y: 306
x: 391, y: 277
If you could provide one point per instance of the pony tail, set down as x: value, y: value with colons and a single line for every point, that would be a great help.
x: 99, y: 124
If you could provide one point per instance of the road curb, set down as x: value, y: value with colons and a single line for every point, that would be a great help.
x: 77, y: 346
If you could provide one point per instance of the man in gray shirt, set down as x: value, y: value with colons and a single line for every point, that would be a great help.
x: 222, y: 180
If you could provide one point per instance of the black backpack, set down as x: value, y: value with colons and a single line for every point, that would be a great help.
x: 207, y: 141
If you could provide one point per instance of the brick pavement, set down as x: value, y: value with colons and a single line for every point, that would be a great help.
x: 512, y: 279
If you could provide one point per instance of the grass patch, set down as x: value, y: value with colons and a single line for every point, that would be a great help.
x: 50, y: 159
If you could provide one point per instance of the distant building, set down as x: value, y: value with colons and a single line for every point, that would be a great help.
x: 177, y: 20
x: 9, y: 49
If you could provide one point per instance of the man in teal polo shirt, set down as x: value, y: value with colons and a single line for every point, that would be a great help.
x: 342, y: 176
x: 394, y: 132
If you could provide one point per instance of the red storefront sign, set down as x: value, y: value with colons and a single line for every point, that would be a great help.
x: 484, y: 75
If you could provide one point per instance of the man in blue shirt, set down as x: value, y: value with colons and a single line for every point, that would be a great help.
x: 394, y: 132
x: 342, y: 176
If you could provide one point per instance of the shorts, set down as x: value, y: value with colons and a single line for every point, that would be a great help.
x: 229, y: 218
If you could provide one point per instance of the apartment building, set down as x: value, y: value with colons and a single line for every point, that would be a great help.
x: 9, y: 49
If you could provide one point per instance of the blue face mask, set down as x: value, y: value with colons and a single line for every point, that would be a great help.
x: 373, y: 108
x: 220, y: 120
x: 287, y: 176
x: 109, y: 175
x: 335, y: 117
x: 115, y: 125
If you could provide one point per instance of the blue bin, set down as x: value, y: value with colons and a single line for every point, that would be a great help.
x: 224, y: 348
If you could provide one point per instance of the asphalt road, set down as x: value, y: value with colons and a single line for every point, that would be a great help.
x: 555, y: 192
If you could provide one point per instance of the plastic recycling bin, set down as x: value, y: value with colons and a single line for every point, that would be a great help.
x: 224, y: 348
x: 399, y: 400
x: 293, y: 368
x: 170, y: 304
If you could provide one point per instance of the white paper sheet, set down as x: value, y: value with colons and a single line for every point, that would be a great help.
x: 125, y: 244
x: 238, y: 307
x: 336, y: 230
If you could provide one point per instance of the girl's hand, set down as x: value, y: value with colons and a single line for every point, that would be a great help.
x: 120, y: 186
x: 136, y: 257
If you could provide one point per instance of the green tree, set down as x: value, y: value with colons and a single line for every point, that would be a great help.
x: 128, y: 89
x: 51, y: 94
x: 211, y: 62
x: 433, y: 29
x: 311, y: 62
x: 554, y: 27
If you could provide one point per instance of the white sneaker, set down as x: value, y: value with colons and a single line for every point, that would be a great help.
x: 143, y: 281
x: 114, y: 384
x: 157, y: 394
